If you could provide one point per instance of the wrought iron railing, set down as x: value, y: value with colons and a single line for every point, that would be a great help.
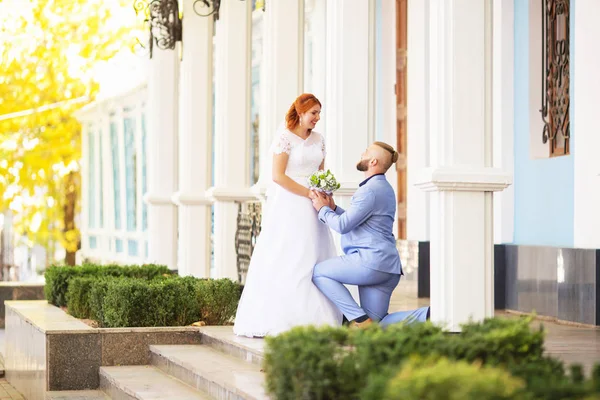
x: 248, y: 229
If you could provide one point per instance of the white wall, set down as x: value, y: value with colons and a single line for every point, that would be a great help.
x: 585, y: 103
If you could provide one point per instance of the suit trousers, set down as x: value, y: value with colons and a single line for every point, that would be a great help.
x: 374, y: 287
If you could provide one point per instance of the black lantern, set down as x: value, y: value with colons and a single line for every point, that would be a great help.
x: 164, y: 22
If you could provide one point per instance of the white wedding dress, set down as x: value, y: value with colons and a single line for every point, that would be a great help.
x: 279, y: 293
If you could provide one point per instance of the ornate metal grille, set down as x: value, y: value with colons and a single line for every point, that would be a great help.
x: 164, y: 22
x: 248, y: 229
x: 555, y: 76
x: 206, y: 8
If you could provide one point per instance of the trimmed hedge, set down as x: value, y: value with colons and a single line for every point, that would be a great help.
x: 135, y: 302
x: 338, y: 363
x: 97, y: 294
x: 452, y: 380
x: 143, y: 296
x: 167, y: 302
x: 218, y: 300
x: 78, y: 296
x: 58, y: 277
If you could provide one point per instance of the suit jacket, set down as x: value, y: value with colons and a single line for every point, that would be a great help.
x: 367, y: 225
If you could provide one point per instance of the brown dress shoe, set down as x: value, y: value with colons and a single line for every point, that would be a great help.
x: 361, y: 325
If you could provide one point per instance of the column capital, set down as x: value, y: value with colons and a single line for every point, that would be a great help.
x: 463, y: 179
x: 230, y: 194
x: 190, y: 199
x: 157, y: 199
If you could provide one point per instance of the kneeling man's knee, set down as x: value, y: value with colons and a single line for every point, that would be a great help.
x: 316, y: 271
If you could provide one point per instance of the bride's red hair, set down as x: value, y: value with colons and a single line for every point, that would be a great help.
x: 302, y: 104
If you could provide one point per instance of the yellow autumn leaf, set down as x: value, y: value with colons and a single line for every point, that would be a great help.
x: 38, y: 70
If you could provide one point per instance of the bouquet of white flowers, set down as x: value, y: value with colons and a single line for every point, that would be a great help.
x: 323, y: 181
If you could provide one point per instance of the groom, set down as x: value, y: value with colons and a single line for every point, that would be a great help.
x: 370, y: 259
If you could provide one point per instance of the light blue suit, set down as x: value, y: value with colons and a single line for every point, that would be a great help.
x: 371, y: 260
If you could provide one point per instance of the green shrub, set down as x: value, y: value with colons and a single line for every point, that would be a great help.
x: 337, y: 363
x: 310, y: 363
x: 57, y: 283
x: 129, y: 302
x: 452, y: 380
x: 218, y: 300
x: 78, y: 296
x: 146, y: 271
x: 174, y: 301
x: 58, y: 277
x: 546, y: 379
x: 498, y: 341
x: 98, y: 291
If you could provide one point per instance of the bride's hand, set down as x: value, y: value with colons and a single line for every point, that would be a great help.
x: 331, y: 202
x: 312, y: 195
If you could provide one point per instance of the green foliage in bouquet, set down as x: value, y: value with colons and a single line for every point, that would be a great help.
x: 323, y: 181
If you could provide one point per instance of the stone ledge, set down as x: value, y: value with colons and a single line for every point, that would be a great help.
x: 47, y: 318
x: 49, y: 350
x: 18, y: 291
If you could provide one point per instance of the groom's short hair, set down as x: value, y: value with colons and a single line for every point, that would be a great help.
x: 393, y: 154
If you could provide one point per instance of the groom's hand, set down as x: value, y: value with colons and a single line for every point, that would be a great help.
x: 319, y: 201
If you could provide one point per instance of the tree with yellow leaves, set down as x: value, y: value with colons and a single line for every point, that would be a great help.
x: 49, y: 49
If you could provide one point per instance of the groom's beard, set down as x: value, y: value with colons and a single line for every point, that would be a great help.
x: 362, y: 165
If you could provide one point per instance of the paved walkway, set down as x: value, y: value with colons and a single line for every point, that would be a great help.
x: 8, y: 392
x: 572, y: 343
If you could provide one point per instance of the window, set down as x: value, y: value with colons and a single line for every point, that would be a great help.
x: 92, y: 185
x: 144, y: 176
x: 555, y: 76
x: 100, y: 182
x: 114, y: 138
x: 130, y: 173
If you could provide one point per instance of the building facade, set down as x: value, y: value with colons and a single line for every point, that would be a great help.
x: 457, y: 87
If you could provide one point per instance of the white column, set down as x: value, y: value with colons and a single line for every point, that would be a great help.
x: 350, y: 125
x: 503, y: 115
x: 281, y: 80
x: 461, y: 176
x: 232, y: 98
x: 585, y: 86
x: 315, y: 57
x: 418, y: 118
x: 195, y: 152
x: 162, y: 121
x: 350, y: 93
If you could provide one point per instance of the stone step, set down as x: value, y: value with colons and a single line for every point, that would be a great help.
x: 144, y: 383
x: 77, y: 395
x: 223, y: 339
x: 221, y: 375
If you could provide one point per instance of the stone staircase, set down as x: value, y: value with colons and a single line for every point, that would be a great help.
x: 223, y: 366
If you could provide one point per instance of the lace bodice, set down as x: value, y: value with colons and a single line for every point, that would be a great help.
x: 305, y: 156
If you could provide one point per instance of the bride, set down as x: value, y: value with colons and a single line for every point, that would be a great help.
x: 279, y: 293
